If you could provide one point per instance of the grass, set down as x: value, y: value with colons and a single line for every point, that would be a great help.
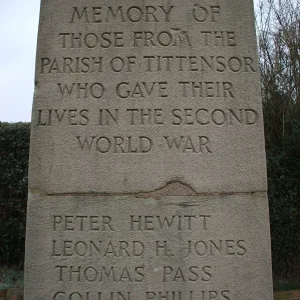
x: 286, y: 286
x: 10, y: 278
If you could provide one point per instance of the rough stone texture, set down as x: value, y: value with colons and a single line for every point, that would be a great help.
x: 235, y: 224
x: 235, y: 161
x: 147, y: 110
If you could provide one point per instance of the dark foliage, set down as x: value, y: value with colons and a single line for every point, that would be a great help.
x: 283, y: 162
x: 14, y: 153
x: 279, y: 48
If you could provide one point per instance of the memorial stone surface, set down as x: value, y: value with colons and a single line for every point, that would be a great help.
x: 147, y: 177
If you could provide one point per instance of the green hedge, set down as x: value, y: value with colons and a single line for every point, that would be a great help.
x: 283, y: 161
x: 284, y: 200
x: 14, y: 153
x: 284, y: 195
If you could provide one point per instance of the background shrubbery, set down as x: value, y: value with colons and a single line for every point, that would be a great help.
x: 14, y: 152
x: 278, y: 26
x: 279, y: 46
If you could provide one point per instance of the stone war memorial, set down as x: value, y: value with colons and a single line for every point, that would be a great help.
x: 147, y: 177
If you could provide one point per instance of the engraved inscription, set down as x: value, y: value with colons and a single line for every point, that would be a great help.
x: 130, y: 260
x: 149, y: 114
x: 193, y: 60
x: 133, y: 14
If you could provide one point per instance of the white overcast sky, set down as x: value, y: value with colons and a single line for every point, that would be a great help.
x: 18, y: 34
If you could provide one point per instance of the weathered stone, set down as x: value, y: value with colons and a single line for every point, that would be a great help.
x: 112, y: 95
x: 142, y: 248
x: 147, y: 175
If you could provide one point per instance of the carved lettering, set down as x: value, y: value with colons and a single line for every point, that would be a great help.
x: 132, y: 14
x: 203, y: 14
x: 100, y: 274
x: 108, y: 117
x: 166, y: 38
x: 63, y: 116
x: 70, y: 65
x: 192, y: 274
x: 126, y: 90
x: 207, y: 64
x: 82, y: 90
x: 119, y: 64
x: 189, y: 295
x: 82, y: 223
x: 95, y: 248
x: 116, y: 144
x: 218, y: 248
x: 92, y: 40
x: 218, y: 117
x: 219, y: 38
x: 207, y: 89
x: 146, y: 116
x: 173, y: 222
x: 188, y: 144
